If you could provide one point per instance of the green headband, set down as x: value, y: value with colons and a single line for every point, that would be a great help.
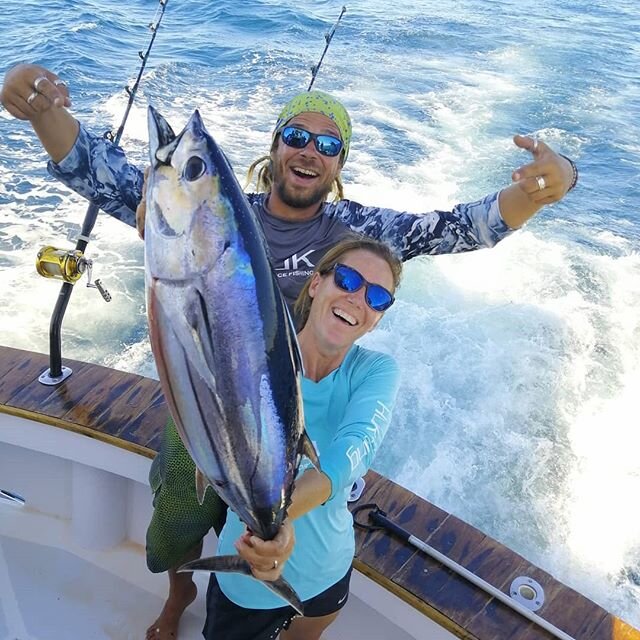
x: 318, y: 102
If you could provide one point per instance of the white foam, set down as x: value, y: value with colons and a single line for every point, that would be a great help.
x: 523, y: 363
x: 84, y: 26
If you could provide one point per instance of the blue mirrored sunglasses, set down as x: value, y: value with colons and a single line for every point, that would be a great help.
x: 350, y: 280
x: 299, y: 138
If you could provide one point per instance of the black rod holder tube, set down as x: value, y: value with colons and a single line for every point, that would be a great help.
x: 55, y: 349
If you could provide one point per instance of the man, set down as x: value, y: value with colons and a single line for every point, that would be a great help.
x: 310, y: 145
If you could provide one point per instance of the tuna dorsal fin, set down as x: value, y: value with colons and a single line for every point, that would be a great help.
x: 309, y: 450
x: 160, y: 134
x: 235, y: 564
x: 201, y: 485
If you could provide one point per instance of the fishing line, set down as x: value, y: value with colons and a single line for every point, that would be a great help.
x: 71, y: 265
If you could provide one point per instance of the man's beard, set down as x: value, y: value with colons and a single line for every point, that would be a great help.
x: 298, y: 200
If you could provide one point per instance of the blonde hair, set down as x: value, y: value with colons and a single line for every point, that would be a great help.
x: 302, y: 306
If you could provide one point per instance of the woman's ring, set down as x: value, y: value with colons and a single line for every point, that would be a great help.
x: 541, y: 183
x: 37, y: 81
x: 32, y: 97
x: 275, y: 565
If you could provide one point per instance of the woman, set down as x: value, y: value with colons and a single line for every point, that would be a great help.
x: 348, y: 394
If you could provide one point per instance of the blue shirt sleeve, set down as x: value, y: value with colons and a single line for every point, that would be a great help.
x: 98, y: 170
x: 466, y: 227
x: 364, y: 425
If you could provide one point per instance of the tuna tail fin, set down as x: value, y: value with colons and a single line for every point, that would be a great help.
x: 309, y: 450
x: 235, y: 564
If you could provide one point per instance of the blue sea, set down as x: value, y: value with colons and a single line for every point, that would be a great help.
x: 521, y: 364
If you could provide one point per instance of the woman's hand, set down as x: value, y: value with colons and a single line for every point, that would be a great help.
x: 267, y: 557
x: 30, y: 90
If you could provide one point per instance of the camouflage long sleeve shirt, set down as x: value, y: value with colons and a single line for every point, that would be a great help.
x: 98, y: 170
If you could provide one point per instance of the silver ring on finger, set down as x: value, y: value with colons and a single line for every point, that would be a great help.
x: 37, y: 81
x: 32, y: 96
x: 275, y: 564
x: 541, y: 183
x: 60, y: 83
x: 535, y: 145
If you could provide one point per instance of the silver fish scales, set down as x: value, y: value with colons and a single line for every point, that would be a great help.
x: 221, y: 335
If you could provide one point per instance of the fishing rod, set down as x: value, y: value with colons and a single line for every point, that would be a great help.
x: 70, y: 265
x: 328, y: 37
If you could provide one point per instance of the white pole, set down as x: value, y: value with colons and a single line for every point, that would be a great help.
x: 489, y: 588
x: 379, y: 517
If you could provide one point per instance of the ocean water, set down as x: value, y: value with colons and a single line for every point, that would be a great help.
x: 521, y: 364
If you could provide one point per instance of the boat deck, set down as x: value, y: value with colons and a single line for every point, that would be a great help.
x: 129, y: 411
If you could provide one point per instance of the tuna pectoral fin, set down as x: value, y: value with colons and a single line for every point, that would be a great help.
x: 235, y: 564
x: 309, y: 450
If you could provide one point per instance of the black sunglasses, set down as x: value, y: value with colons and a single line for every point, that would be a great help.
x: 350, y: 280
x: 299, y: 138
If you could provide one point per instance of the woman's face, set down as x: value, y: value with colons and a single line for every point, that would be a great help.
x: 338, y: 317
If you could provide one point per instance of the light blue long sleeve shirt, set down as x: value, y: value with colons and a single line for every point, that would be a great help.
x: 347, y: 415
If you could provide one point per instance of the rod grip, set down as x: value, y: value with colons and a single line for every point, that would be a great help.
x: 380, y: 518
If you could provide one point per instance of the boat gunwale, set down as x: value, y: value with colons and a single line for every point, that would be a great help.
x: 598, y: 624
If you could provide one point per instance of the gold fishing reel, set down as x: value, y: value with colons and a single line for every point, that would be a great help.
x: 61, y: 264
x: 68, y: 265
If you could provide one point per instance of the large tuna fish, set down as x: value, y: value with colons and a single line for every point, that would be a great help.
x: 221, y: 335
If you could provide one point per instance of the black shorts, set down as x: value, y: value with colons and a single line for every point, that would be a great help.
x: 228, y: 621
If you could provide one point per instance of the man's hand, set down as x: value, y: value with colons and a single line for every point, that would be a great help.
x: 267, y: 558
x: 548, y: 178
x: 544, y: 181
x: 30, y: 90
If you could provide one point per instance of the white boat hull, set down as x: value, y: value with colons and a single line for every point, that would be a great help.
x: 72, y: 559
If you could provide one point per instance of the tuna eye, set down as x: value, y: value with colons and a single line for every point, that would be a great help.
x: 194, y: 168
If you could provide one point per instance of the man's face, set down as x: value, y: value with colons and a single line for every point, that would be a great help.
x: 303, y: 177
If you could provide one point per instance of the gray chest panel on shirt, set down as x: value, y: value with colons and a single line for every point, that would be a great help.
x: 296, y: 247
